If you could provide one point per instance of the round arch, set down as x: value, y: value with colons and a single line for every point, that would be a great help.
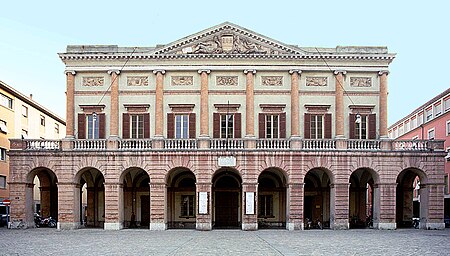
x: 361, y: 198
x: 136, y: 198
x: 91, y: 197
x: 316, y: 202
x: 227, y: 192
x: 181, y: 203
x: 272, y: 198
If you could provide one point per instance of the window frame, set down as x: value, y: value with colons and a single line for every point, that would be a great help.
x: 359, y: 130
x: 3, y: 182
x: 227, y: 131
x: 428, y: 134
x: 428, y: 114
x: 447, y: 127
x: 181, y: 126
x: 314, y: 126
x: 3, y: 154
x: 437, y: 109
x: 3, y: 127
x: 6, y: 101
x: 92, y: 133
x: 187, y: 207
x: 137, y: 126
x: 265, y: 206
x: 271, y: 130
x: 42, y: 118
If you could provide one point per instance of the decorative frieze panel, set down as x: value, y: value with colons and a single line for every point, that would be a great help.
x: 272, y: 80
x: 137, y: 80
x: 182, y: 80
x: 227, y: 80
x: 360, y: 81
x: 316, y: 81
x: 93, y: 81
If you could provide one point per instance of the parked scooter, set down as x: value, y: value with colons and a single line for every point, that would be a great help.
x: 416, y: 222
x: 44, y: 222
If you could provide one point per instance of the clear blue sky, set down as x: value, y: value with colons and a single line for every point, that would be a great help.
x: 33, y: 32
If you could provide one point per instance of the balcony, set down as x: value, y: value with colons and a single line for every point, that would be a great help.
x: 227, y: 144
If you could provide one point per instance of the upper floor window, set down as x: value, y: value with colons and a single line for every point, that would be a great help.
x: 24, y: 111
x: 181, y: 125
x: 407, y: 126
x: 226, y: 125
x: 413, y: 123
x: 431, y: 134
x: 42, y: 120
x: 2, y: 154
x: 419, y: 119
x: 448, y: 128
x: 91, y: 126
x: 56, y: 129
x: 3, y: 127
x: 447, y: 104
x: 438, y: 109
x: 364, y: 126
x: 2, y: 181
x: 137, y: 126
x: 6, y: 101
x: 317, y: 126
x: 24, y: 134
x: 429, y: 114
x: 401, y: 130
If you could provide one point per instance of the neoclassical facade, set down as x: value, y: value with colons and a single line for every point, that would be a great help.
x: 227, y: 128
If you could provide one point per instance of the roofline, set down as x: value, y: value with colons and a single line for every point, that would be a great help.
x: 31, y: 102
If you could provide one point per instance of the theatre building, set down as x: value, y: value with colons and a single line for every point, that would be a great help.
x: 227, y: 128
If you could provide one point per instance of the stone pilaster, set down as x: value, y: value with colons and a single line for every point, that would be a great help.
x: 432, y: 206
x: 21, y: 208
x: 339, y: 205
x: 250, y: 103
x: 295, y: 130
x: 295, y: 210
x: 204, y: 115
x: 250, y: 220
x: 159, y: 104
x: 383, y: 104
x: 68, y: 205
x: 113, y: 206
x: 204, y: 220
x: 70, y: 103
x: 384, y: 206
x: 158, y: 206
x: 339, y: 101
x: 114, y: 114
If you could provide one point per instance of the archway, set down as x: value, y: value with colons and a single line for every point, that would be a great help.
x: 227, y: 192
x: 316, y: 203
x: 136, y: 198
x: 271, y: 199
x: 92, y: 189
x: 43, y: 194
x: 411, y: 198
x: 361, y: 198
x: 181, y: 203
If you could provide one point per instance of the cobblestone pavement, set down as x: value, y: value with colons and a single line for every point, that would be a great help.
x: 45, y: 241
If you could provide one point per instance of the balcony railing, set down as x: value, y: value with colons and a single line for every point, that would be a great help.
x: 325, y: 144
x: 135, y: 144
x: 180, y: 144
x: 42, y: 144
x: 364, y: 144
x: 273, y: 144
x: 413, y: 145
x: 89, y: 144
x: 227, y: 144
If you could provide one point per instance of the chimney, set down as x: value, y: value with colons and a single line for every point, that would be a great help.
x: 31, y: 96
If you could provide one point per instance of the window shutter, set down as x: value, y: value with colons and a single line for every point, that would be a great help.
x: 101, y: 125
x: 216, y: 125
x: 170, y: 125
x: 307, y: 127
x: 262, y: 125
x: 352, y: 119
x: 81, y: 126
x: 125, y: 126
x: 327, y: 126
x: 282, y: 125
x: 237, y: 125
x: 146, y: 125
x: 372, y: 126
x: 192, y: 125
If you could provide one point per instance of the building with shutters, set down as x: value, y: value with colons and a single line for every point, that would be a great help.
x: 227, y: 128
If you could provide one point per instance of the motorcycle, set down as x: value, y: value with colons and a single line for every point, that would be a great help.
x: 44, y: 222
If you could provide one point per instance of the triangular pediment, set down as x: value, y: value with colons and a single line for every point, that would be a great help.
x: 227, y: 38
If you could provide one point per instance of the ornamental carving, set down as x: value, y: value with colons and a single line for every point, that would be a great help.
x: 137, y: 81
x: 93, y: 81
x: 360, y: 81
x: 272, y: 80
x: 316, y: 81
x: 227, y: 80
x: 182, y: 80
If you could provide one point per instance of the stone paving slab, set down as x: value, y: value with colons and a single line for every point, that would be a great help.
x: 45, y: 241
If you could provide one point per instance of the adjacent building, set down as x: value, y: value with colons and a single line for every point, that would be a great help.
x: 227, y: 128
x: 431, y: 121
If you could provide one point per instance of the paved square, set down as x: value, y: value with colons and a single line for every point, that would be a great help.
x: 45, y: 241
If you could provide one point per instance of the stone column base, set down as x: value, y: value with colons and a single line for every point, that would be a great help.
x: 113, y: 226
x: 203, y: 226
x: 158, y: 226
x: 291, y: 226
x: 385, y: 225
x: 249, y: 226
x: 67, y: 225
x: 435, y: 225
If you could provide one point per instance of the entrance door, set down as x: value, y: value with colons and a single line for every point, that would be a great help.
x: 227, y: 209
x: 145, y: 210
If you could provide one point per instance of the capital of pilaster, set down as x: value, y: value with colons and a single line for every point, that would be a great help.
x: 292, y: 71
x: 249, y: 70
x: 156, y: 71
x: 207, y: 71
x: 343, y: 72
x: 113, y: 71
x: 73, y: 72
x: 380, y: 73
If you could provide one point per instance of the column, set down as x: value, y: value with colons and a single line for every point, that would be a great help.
x: 250, y: 103
x: 250, y: 206
x: 70, y: 103
x: 159, y: 107
x: 204, y: 210
x: 113, y: 206
x: 339, y: 102
x: 68, y: 205
x: 295, y: 210
x: 204, y: 117
x: 384, y: 203
x: 114, y: 114
x: 295, y: 131
x: 158, y: 206
x: 383, y: 103
x: 339, y: 201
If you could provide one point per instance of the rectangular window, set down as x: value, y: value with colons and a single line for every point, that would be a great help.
x: 93, y: 125
x: 6, y: 101
x: 187, y: 206
x: 3, y: 127
x: 413, y: 123
x: 24, y: 111
x: 265, y: 206
x: 137, y: 126
x: 317, y: 128
x: 272, y: 126
x: 395, y: 133
x: 437, y: 109
x: 42, y: 120
x: 2, y: 154
x: 447, y: 104
x: 24, y: 134
x: 431, y: 134
x: 226, y: 126
x: 407, y: 126
x: 400, y: 130
x: 446, y: 184
x: 2, y: 181
x: 429, y: 114
x: 56, y: 128
x: 448, y: 127
x: 420, y: 119
x: 361, y: 131
x: 182, y: 126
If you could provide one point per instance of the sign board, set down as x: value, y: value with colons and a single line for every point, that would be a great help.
x: 202, y: 202
x: 226, y: 161
x: 249, y: 202
x: 6, y: 202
